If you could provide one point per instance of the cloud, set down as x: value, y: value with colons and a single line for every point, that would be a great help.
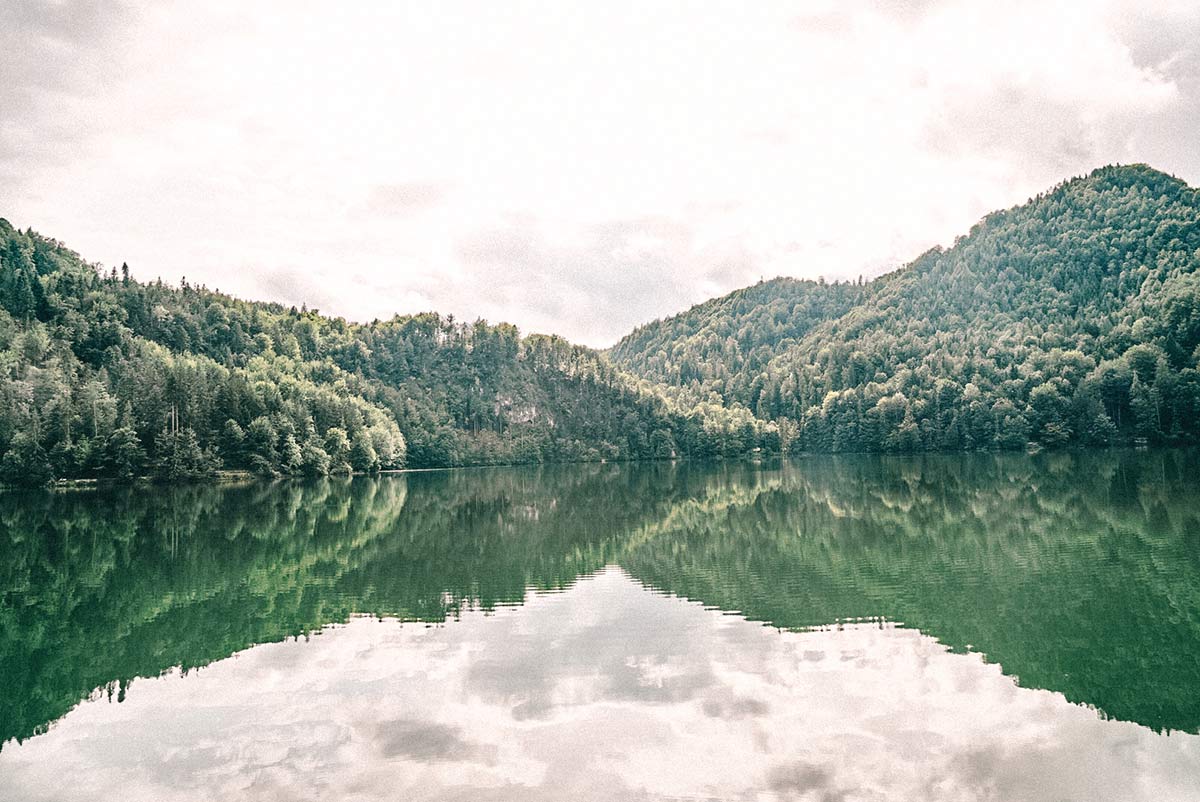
x: 1074, y: 98
x: 295, y: 287
x: 730, y: 706
x: 1164, y: 39
x: 397, y: 199
x: 565, y: 168
x: 53, y: 57
x: 428, y: 741
x: 601, y: 279
x: 801, y: 780
x: 58, y: 47
x: 1051, y: 136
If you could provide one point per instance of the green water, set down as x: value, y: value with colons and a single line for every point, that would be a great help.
x: 967, y: 627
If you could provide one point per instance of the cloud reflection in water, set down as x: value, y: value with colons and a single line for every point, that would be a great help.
x: 605, y: 691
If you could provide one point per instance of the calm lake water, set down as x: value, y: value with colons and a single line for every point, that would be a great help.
x: 864, y: 628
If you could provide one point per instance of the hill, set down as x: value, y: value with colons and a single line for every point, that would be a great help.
x: 1071, y: 319
x: 718, y: 347
x: 105, y: 376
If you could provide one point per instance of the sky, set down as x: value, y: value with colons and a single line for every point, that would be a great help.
x: 573, y: 168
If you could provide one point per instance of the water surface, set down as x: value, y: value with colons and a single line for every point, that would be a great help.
x: 983, y: 627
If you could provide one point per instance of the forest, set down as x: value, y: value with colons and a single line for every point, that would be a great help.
x: 1071, y: 320
x: 104, y: 376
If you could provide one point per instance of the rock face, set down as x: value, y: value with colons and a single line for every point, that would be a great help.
x: 520, y: 411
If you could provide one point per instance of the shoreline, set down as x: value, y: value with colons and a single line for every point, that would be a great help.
x: 242, y: 476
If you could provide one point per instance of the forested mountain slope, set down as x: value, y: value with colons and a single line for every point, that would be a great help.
x: 102, y: 375
x: 1074, y: 318
x: 720, y: 346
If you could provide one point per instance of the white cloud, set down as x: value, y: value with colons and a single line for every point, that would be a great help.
x: 371, y: 149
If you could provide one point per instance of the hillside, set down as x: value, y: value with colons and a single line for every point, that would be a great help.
x: 105, y: 376
x: 720, y: 346
x: 1071, y: 319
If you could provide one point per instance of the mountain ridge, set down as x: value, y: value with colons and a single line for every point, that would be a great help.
x: 103, y: 376
x: 1072, y: 319
x: 1090, y: 269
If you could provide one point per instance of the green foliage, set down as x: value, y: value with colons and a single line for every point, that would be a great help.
x: 259, y: 387
x: 123, y: 456
x: 178, y: 455
x: 718, y: 348
x: 25, y: 464
x: 1073, y: 319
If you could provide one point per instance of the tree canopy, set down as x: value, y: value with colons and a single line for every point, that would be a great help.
x: 1072, y: 319
x: 102, y: 375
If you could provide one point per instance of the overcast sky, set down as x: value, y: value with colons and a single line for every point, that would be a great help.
x: 575, y: 168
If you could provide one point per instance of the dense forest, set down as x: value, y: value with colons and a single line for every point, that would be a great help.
x: 105, y: 376
x: 714, y: 351
x: 1073, y: 319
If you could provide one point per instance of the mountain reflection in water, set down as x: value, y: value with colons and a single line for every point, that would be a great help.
x: 1070, y: 578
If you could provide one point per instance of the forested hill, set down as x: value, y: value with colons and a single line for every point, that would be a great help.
x: 1074, y: 318
x: 722, y: 345
x: 105, y: 376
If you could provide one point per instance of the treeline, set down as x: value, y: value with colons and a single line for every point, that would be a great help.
x: 105, y: 376
x: 1071, y: 320
x: 715, y: 350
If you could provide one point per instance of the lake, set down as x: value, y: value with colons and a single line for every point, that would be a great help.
x: 831, y: 628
